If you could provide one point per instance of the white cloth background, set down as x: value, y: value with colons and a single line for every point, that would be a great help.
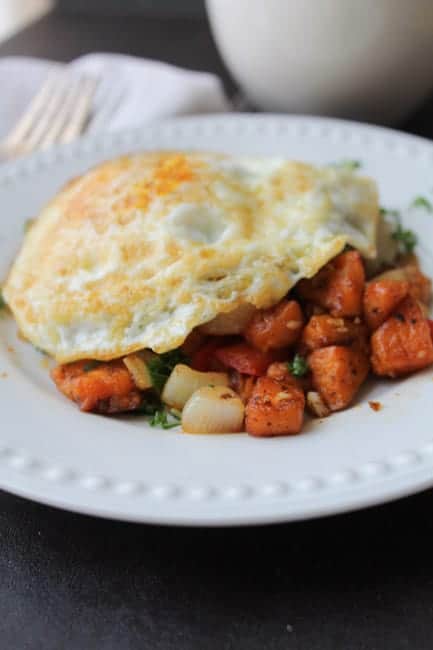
x: 132, y: 91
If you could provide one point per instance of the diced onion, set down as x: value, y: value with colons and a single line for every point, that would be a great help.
x: 213, y: 409
x: 386, y: 247
x: 234, y: 322
x: 183, y: 381
x: 139, y: 371
x: 316, y: 404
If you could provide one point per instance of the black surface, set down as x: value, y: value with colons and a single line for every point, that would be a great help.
x: 168, y: 7
x: 362, y: 581
x: 184, y: 41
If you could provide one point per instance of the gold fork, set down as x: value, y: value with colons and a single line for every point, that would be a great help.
x: 58, y: 113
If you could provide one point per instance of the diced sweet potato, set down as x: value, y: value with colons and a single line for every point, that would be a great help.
x: 274, y: 409
x: 280, y: 372
x: 337, y: 373
x: 245, y: 359
x: 277, y: 327
x: 420, y: 286
x: 403, y: 343
x: 381, y: 297
x: 338, y: 287
x: 324, y: 330
x: 104, y: 388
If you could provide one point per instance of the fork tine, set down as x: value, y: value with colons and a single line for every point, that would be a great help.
x: 81, y: 111
x: 109, y: 101
x: 53, y: 106
x: 59, y: 123
x: 31, y: 114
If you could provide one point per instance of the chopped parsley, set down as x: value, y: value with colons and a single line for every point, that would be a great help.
x: 407, y: 239
x: 422, y: 202
x: 2, y: 301
x: 299, y: 366
x: 150, y: 404
x: 161, y: 366
x: 159, y: 415
x: 392, y: 213
x: 349, y: 165
x: 91, y: 365
x: 165, y: 419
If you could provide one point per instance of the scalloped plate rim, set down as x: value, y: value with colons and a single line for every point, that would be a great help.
x: 254, y: 507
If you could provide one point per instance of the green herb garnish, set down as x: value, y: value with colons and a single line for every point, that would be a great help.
x: 350, y: 165
x: 159, y: 415
x: 422, y: 202
x: 2, y: 301
x: 165, y: 419
x: 392, y: 213
x: 299, y: 366
x: 161, y: 365
x: 406, y: 239
x: 91, y: 365
x: 150, y: 404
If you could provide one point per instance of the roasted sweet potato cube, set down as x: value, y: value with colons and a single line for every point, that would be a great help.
x: 403, y: 343
x: 274, y: 409
x: 381, y: 297
x: 280, y: 372
x: 100, y: 387
x: 274, y: 328
x: 337, y: 373
x: 338, y: 287
x: 420, y: 286
x: 324, y: 330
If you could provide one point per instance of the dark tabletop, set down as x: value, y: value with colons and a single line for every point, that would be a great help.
x: 361, y: 581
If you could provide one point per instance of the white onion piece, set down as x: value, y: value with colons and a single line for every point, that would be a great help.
x: 139, y: 371
x: 316, y: 404
x: 213, y: 409
x: 234, y: 322
x: 183, y: 381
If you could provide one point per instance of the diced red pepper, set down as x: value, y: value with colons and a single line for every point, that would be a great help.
x: 202, y: 359
x: 245, y: 359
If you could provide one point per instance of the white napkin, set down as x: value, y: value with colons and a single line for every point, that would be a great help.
x: 131, y: 91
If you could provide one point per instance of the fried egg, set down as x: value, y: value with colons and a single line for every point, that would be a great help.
x: 140, y: 250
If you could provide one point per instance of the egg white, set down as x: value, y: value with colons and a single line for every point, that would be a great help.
x: 140, y: 250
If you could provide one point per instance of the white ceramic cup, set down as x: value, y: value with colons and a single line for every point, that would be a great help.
x: 363, y: 59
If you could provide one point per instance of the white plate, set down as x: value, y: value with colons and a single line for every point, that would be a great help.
x: 122, y: 468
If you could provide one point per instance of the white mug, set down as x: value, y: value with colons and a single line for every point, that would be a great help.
x: 362, y: 59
